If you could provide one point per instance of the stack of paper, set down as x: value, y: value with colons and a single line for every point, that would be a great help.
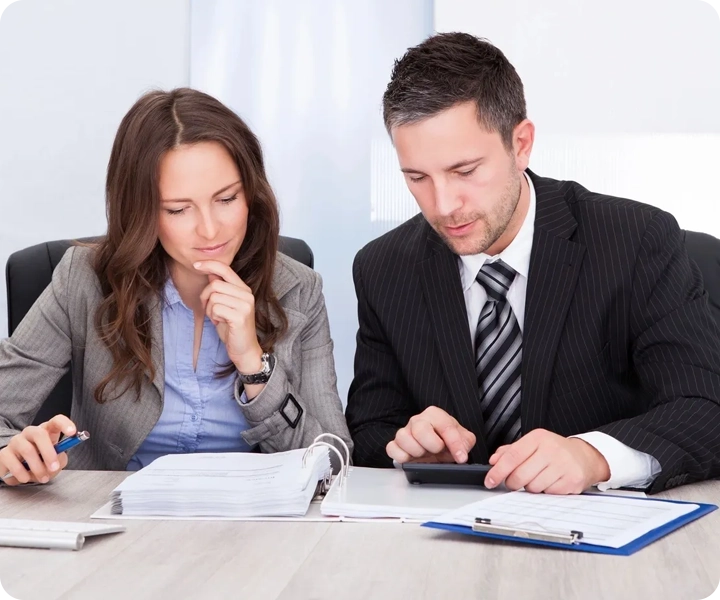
x: 224, y: 485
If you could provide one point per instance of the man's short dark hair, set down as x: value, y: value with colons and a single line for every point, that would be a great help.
x: 451, y: 68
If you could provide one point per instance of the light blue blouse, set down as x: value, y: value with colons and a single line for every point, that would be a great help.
x: 200, y: 413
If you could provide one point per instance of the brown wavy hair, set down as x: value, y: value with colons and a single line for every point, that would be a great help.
x: 130, y: 262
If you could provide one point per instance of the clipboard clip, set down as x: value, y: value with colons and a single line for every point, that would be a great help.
x: 486, y: 526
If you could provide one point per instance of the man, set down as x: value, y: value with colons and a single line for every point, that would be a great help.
x: 561, y: 335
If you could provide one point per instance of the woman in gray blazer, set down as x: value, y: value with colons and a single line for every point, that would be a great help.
x: 187, y: 330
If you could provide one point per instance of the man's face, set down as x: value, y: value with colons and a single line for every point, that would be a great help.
x: 465, y: 181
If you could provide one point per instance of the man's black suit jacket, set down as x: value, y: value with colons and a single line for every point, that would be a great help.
x: 618, y: 337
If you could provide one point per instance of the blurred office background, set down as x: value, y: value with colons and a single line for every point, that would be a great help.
x: 624, y: 96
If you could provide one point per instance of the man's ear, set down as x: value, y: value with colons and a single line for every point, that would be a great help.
x: 523, y: 139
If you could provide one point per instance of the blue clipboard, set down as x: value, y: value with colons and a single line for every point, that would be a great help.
x: 626, y: 550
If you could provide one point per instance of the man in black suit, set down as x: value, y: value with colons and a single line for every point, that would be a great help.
x: 561, y: 335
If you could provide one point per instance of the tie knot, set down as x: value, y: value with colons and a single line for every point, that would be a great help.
x: 496, y: 278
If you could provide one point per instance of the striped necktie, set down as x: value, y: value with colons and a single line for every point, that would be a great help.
x: 498, y: 357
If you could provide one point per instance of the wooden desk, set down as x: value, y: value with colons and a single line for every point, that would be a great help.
x: 202, y: 560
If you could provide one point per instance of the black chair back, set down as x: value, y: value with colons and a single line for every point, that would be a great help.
x: 28, y: 272
x: 704, y: 249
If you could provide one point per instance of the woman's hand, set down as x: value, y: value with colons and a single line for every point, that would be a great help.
x: 230, y: 305
x: 35, y: 446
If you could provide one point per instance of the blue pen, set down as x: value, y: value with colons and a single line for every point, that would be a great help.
x: 62, y: 446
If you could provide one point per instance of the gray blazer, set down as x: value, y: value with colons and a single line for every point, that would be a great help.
x: 60, y: 328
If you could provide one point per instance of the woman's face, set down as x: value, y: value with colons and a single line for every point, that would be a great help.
x: 203, y: 213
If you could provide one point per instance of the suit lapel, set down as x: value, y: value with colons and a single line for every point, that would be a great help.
x: 140, y: 420
x: 554, y: 269
x: 284, y: 279
x: 440, y: 276
x: 158, y: 346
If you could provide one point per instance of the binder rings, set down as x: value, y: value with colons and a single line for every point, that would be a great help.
x: 616, y: 525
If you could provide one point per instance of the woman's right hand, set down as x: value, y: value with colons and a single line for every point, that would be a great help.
x: 35, y: 446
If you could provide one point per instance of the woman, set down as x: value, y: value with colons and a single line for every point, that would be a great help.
x: 187, y: 331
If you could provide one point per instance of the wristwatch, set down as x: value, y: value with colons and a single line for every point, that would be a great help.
x: 263, y: 376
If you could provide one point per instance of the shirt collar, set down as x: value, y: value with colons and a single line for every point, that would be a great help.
x: 170, y: 293
x: 516, y: 255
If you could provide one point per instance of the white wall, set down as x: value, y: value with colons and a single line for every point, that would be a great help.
x: 624, y: 93
x: 69, y: 71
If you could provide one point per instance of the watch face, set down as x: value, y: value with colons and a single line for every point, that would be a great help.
x: 269, y: 360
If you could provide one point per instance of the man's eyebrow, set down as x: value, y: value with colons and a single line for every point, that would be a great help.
x: 457, y: 165
x: 464, y: 163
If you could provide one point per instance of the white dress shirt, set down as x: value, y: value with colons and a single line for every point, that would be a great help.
x: 628, y: 467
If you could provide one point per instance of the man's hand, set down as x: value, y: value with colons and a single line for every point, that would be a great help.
x: 431, y: 436
x: 542, y: 461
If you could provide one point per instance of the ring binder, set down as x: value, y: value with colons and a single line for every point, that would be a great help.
x: 225, y: 485
x: 486, y: 526
x: 344, y: 462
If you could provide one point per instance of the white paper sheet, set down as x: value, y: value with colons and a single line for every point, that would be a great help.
x: 604, y: 520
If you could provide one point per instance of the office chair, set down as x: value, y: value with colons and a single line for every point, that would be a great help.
x: 704, y: 249
x: 28, y: 273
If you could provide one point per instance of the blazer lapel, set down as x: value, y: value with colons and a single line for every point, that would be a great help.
x: 440, y: 276
x: 283, y: 278
x: 158, y: 346
x: 554, y: 269
x: 143, y: 416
